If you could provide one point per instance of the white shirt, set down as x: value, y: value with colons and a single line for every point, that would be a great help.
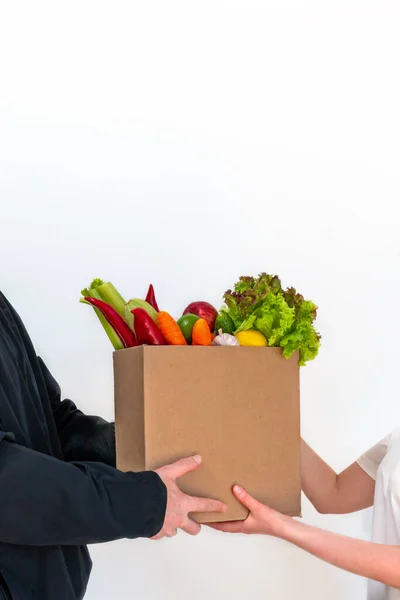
x: 382, y: 463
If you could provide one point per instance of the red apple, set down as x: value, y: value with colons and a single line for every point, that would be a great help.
x: 204, y: 310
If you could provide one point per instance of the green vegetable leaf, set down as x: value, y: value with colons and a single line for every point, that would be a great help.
x: 302, y: 307
x: 283, y: 316
x: 249, y: 323
x: 274, y: 318
x: 302, y: 338
x: 277, y: 316
x: 244, y: 284
x: 249, y: 294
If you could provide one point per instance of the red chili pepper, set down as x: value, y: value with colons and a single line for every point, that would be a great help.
x: 151, y: 298
x: 146, y: 330
x: 120, y: 327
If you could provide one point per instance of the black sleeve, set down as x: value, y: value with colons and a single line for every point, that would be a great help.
x: 82, y: 437
x: 45, y: 501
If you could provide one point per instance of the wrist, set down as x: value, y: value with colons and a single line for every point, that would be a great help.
x: 286, y: 527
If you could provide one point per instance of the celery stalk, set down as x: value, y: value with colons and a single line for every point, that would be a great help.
x: 112, y: 335
x: 108, y: 293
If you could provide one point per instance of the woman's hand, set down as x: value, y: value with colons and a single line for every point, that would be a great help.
x: 375, y: 561
x: 261, y: 519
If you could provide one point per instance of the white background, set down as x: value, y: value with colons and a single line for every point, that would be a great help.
x: 186, y: 144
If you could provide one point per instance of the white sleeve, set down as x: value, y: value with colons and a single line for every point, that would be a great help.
x: 370, y: 461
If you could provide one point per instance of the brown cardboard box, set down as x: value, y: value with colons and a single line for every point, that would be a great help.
x: 236, y: 406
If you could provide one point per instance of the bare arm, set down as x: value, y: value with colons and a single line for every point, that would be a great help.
x: 375, y: 561
x: 348, y: 492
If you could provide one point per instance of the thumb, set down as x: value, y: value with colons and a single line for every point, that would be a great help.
x: 183, y: 466
x: 244, y: 497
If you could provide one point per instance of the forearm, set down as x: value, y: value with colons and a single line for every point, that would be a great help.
x: 318, y: 480
x: 45, y: 502
x: 374, y: 561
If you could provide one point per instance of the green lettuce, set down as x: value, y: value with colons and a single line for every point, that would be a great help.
x: 274, y: 318
x: 248, y: 295
x: 302, y: 338
x: 283, y: 316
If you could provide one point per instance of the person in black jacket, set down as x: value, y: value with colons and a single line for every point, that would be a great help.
x: 59, y: 488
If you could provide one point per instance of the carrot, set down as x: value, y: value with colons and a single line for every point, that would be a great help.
x: 201, y: 334
x: 170, y: 329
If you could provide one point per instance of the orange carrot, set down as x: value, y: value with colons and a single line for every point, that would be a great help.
x: 201, y: 334
x: 170, y: 329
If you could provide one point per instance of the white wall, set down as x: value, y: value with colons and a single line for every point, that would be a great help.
x: 186, y: 144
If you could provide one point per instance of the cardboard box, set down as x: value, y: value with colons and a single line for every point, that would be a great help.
x: 238, y: 407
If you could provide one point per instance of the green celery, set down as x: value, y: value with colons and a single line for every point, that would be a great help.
x: 112, y: 335
x: 108, y: 293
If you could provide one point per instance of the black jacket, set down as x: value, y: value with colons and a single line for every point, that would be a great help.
x: 59, y: 489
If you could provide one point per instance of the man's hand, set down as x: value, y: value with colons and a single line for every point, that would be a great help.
x: 179, y: 505
x: 261, y: 519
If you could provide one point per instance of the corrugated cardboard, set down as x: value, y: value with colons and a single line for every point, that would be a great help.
x: 236, y: 406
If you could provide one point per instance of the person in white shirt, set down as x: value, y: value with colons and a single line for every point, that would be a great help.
x: 373, y: 480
